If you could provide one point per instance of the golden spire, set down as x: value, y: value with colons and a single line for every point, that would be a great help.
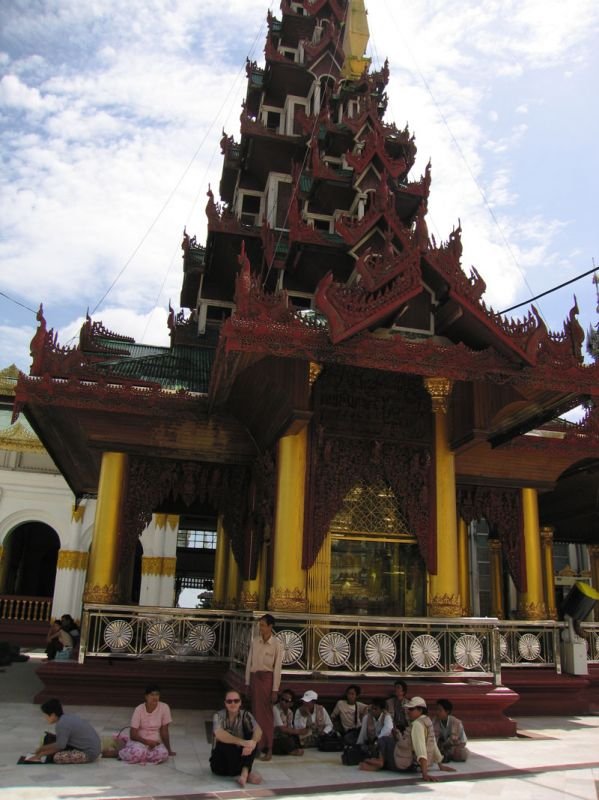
x: 355, y: 40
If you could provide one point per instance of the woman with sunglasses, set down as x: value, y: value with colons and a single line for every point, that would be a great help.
x: 236, y: 735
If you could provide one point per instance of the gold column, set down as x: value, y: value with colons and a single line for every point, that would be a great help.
x: 103, y: 569
x: 232, y: 596
x: 496, y: 565
x: 251, y: 590
x: 594, y: 559
x: 548, y: 571
x: 319, y: 580
x: 464, y: 567
x: 219, y: 597
x: 532, y: 604
x: 444, y: 589
x: 288, y: 590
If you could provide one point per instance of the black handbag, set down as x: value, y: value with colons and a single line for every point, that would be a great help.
x: 353, y: 754
x: 330, y: 742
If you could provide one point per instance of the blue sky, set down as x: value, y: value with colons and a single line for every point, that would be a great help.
x: 111, y: 115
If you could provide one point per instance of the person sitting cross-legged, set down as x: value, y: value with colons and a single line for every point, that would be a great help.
x: 149, y: 739
x: 451, y: 737
x: 349, y: 713
x: 377, y: 725
x: 287, y: 741
x: 312, y: 720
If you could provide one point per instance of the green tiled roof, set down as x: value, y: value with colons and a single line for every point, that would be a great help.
x: 180, y: 367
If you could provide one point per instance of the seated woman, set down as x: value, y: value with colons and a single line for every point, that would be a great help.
x: 236, y: 736
x: 451, y: 737
x: 348, y: 714
x: 59, y: 642
x: 286, y: 740
x: 149, y: 741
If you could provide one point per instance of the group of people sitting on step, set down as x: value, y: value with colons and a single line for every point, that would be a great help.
x: 394, y: 733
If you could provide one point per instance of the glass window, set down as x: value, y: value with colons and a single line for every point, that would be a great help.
x: 197, y: 540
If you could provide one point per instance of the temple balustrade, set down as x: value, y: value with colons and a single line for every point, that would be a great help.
x: 21, y: 608
x: 333, y: 646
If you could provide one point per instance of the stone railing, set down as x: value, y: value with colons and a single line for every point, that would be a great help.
x: 20, y: 608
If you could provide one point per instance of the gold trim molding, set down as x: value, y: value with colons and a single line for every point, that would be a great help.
x: 169, y: 566
x: 287, y: 600
x: 445, y: 605
x: 101, y: 594
x: 72, y: 559
x: 151, y: 565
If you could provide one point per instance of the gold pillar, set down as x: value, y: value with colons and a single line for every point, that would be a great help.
x: 319, y: 580
x: 464, y: 567
x: 103, y: 568
x: 548, y: 571
x: 496, y: 569
x: 288, y: 590
x: 232, y: 596
x: 532, y: 603
x: 444, y: 590
x: 251, y: 590
x: 594, y: 559
x: 219, y: 597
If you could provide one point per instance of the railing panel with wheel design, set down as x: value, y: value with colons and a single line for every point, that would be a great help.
x: 590, y: 633
x: 178, y: 633
x: 530, y: 644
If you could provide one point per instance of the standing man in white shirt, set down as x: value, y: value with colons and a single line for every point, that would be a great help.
x: 263, y: 677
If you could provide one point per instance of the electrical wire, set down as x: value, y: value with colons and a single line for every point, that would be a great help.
x: 16, y: 302
x: 549, y: 291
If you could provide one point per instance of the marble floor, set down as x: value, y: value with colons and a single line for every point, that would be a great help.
x: 550, y: 758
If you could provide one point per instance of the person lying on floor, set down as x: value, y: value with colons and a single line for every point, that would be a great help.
x: 76, y: 741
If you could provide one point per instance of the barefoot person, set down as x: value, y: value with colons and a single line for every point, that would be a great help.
x: 236, y: 736
x: 263, y: 677
x: 149, y: 740
x: 76, y: 741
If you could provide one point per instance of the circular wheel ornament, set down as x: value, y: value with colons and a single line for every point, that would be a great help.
x: 468, y: 651
x: 201, y: 638
x: 118, y: 634
x: 597, y: 646
x: 380, y: 650
x: 529, y: 647
x: 160, y: 636
x: 334, y: 649
x: 503, y: 647
x: 425, y: 651
x: 293, y: 647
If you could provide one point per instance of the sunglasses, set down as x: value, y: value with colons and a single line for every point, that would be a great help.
x: 233, y: 701
x: 286, y: 700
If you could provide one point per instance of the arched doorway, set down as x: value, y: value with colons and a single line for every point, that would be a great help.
x: 376, y: 568
x: 30, y: 562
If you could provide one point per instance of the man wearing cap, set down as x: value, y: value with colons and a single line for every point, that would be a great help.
x: 424, y: 743
x: 263, y: 676
x: 312, y: 717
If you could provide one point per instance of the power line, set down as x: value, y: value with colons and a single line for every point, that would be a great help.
x: 549, y: 291
x: 16, y: 302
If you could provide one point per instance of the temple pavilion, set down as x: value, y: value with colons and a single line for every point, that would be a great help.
x: 362, y: 432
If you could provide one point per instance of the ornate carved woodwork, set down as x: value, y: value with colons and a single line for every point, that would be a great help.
x: 369, y: 427
x: 502, y: 508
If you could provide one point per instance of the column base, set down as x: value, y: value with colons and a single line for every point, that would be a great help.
x: 445, y: 605
x: 101, y: 594
x: 248, y: 601
x: 532, y: 611
x: 287, y: 600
